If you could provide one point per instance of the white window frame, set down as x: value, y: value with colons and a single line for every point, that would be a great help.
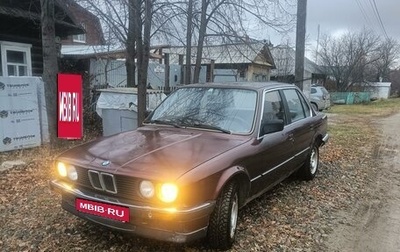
x: 80, y: 38
x: 18, y: 47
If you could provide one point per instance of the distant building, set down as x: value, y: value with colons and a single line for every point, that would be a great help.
x: 90, y: 23
x: 232, y: 62
x: 284, y: 57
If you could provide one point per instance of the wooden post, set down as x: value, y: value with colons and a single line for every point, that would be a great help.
x: 181, y: 65
x: 212, y: 65
x: 166, y: 84
x: 160, y: 53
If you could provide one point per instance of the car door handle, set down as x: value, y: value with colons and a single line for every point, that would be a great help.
x: 290, y: 137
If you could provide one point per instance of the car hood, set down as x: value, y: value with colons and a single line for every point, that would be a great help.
x: 152, y: 152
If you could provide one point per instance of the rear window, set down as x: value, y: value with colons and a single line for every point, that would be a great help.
x: 324, y: 91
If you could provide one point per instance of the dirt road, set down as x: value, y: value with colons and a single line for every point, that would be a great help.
x: 374, y: 223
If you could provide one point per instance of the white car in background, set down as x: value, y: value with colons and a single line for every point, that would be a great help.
x: 320, y: 98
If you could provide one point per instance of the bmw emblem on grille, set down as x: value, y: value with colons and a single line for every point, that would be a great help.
x: 105, y: 163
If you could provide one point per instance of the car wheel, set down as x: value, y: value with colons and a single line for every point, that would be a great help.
x: 315, y: 107
x: 223, y: 221
x: 310, y: 167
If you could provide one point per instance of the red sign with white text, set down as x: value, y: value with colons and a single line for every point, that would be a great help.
x: 70, y: 101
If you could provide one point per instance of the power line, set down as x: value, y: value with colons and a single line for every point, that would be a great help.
x: 380, y: 20
x: 378, y: 17
x: 363, y: 12
x: 376, y: 13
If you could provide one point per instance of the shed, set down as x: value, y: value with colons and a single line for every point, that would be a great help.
x: 379, y: 90
x: 118, y: 108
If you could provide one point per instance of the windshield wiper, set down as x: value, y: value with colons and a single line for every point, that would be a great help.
x: 165, y: 122
x: 212, y: 127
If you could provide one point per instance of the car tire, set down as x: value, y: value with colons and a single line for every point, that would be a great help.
x: 311, y: 165
x: 221, y: 231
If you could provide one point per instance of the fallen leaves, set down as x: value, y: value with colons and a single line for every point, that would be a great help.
x: 294, y: 216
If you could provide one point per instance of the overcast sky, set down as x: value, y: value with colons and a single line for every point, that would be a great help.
x: 337, y: 16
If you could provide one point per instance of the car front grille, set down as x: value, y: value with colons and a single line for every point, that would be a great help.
x: 109, y: 184
x: 102, y: 181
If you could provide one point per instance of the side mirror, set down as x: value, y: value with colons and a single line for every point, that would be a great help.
x: 271, y: 126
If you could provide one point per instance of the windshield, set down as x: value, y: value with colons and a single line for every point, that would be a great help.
x: 229, y: 110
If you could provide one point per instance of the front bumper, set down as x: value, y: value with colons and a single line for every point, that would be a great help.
x: 179, y: 225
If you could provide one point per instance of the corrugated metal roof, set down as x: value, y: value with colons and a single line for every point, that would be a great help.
x: 284, y: 57
x: 240, y: 53
x: 88, y: 50
x: 97, y: 51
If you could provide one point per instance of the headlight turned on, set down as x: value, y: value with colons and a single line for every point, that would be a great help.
x: 65, y: 170
x: 62, y: 169
x: 167, y: 192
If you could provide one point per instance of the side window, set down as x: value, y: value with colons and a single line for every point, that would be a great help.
x: 295, y: 105
x: 306, y: 107
x: 313, y: 90
x: 273, y: 108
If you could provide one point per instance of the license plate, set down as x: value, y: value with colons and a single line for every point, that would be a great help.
x: 108, y: 211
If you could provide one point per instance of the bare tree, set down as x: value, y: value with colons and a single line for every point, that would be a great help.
x: 130, y: 22
x: 143, y: 58
x: 135, y: 22
x: 189, y: 42
x: 133, y: 30
x: 388, y: 52
x: 355, y: 58
x: 50, y: 65
x: 229, y: 19
x: 202, y: 34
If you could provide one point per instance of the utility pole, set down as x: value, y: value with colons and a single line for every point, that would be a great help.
x: 317, y: 52
x: 300, y: 42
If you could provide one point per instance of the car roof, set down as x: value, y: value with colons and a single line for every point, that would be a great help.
x: 245, y: 85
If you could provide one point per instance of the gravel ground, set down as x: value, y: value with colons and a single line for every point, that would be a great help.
x: 294, y: 216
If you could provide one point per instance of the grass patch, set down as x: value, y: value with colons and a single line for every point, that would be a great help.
x: 352, y: 130
x: 349, y: 141
x: 376, y: 108
x: 346, y: 134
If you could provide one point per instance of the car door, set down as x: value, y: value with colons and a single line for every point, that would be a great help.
x: 299, y: 128
x: 273, y: 149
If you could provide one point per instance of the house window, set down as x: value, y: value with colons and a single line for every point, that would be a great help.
x: 15, y: 59
x: 242, y: 73
x: 80, y: 38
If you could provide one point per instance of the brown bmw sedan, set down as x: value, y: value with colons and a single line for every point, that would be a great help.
x: 202, y: 154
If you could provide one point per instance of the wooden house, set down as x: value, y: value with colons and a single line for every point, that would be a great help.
x: 20, y: 35
x: 250, y: 61
x: 88, y: 21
